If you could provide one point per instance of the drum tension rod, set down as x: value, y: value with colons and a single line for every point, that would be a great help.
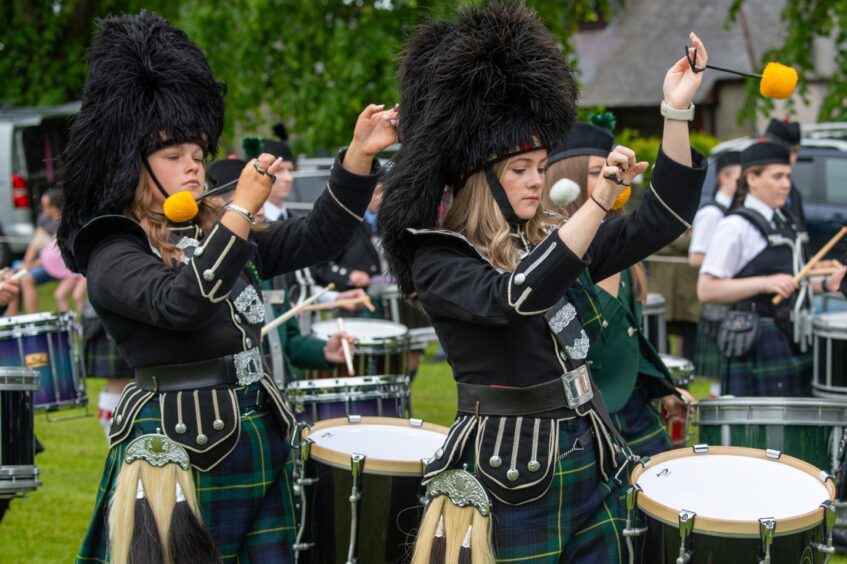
x: 767, y: 527
x: 686, y: 527
x: 829, y: 515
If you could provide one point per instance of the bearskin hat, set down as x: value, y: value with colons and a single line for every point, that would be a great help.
x: 486, y: 85
x: 148, y: 86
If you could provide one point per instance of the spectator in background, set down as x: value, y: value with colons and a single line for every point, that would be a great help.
x: 274, y: 208
x: 45, y: 230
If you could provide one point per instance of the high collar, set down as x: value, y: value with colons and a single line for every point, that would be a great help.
x: 723, y: 199
x: 755, y: 203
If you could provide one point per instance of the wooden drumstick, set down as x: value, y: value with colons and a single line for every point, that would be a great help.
x: 331, y: 305
x: 294, y: 311
x: 777, y: 299
x: 345, y: 346
x: 16, y: 276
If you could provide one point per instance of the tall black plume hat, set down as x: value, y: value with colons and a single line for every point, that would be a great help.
x: 474, y: 90
x: 149, y: 86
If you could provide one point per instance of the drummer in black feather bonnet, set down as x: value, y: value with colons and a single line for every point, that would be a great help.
x: 180, y: 295
x: 481, y: 100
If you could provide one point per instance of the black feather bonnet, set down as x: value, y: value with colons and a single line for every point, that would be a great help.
x: 148, y: 86
x: 490, y: 84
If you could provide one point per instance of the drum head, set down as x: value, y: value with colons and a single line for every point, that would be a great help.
x: 836, y: 322
x: 730, y: 489
x: 366, y: 331
x: 391, y: 446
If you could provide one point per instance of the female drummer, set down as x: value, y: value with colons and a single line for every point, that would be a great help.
x: 755, y: 253
x: 482, y: 98
x: 182, y: 299
x: 624, y: 365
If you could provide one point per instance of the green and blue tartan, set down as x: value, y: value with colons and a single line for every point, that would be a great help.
x: 246, y: 501
x: 578, y: 520
x: 708, y: 360
x: 772, y: 368
x: 103, y: 360
x: 642, y: 426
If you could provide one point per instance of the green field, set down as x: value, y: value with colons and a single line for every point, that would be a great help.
x: 48, y: 525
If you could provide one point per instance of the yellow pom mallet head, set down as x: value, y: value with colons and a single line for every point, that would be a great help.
x: 180, y: 207
x: 777, y: 80
x: 622, y: 198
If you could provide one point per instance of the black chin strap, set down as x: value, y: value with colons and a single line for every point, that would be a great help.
x: 501, y: 198
x: 153, y: 176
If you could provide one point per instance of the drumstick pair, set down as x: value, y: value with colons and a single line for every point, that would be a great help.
x: 295, y: 310
x: 364, y: 300
x: 815, y: 259
x: 345, y: 346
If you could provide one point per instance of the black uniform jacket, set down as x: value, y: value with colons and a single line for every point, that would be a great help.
x: 205, y: 308
x: 359, y: 254
x: 491, y: 322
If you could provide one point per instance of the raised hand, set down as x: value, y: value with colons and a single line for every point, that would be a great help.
x: 681, y: 82
x: 619, y: 171
x: 254, y: 186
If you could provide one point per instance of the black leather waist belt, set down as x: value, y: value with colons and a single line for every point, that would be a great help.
x: 212, y: 373
x: 554, y: 395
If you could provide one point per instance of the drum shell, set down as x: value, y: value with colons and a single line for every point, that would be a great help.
x: 382, y: 347
x: 681, y: 369
x: 830, y: 355
x: 388, y: 515
x: 49, y: 344
x: 380, y: 396
x: 18, y: 473
x: 806, y: 428
x: 661, y: 546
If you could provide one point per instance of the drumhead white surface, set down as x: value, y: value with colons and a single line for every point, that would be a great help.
x: 387, y: 442
x: 365, y: 330
x: 736, y: 488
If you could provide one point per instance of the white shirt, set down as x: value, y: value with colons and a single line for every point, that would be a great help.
x: 705, y: 222
x: 274, y: 212
x: 736, y: 242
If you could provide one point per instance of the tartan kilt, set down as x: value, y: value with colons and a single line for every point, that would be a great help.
x: 103, y: 360
x: 772, y: 368
x: 245, y: 501
x: 578, y: 520
x: 708, y: 360
x: 642, y: 426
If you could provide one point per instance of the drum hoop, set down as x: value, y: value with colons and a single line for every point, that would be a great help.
x: 821, y: 323
x: 401, y: 338
x: 36, y: 324
x: 836, y: 411
x: 348, y: 382
x: 732, y: 527
x: 18, y: 379
x: 378, y: 466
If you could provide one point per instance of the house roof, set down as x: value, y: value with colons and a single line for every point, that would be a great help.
x: 625, y: 63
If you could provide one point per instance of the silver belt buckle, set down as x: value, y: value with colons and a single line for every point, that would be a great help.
x: 577, y: 386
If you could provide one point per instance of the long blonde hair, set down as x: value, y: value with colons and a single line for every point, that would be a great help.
x: 155, y: 225
x: 476, y: 215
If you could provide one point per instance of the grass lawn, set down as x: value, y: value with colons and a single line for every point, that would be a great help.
x: 48, y: 526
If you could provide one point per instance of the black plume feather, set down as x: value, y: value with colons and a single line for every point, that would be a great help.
x: 471, y: 89
x: 148, y: 86
x: 280, y: 131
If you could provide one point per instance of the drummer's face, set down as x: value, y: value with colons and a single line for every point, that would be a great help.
x: 178, y: 167
x: 523, y: 180
x: 772, y: 185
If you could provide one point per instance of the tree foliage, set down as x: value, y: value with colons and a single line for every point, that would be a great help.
x: 311, y: 65
x: 806, y: 20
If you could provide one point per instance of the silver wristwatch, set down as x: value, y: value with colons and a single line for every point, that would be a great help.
x: 669, y: 112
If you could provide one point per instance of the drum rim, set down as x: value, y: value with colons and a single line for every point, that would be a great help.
x: 776, y: 401
x: 378, y: 466
x: 27, y: 379
x: 385, y: 379
x: 402, y: 337
x: 819, y: 320
x: 733, y: 527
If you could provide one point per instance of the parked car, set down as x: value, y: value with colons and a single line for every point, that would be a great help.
x: 821, y: 176
x: 31, y: 140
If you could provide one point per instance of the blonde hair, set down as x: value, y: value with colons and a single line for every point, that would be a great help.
x: 476, y: 215
x: 155, y: 225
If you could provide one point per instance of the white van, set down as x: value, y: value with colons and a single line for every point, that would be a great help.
x: 31, y: 142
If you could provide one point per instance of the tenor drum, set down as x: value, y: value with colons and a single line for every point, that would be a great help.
x: 830, y: 354
x: 329, y: 398
x: 808, y: 428
x: 18, y: 473
x: 49, y: 344
x: 382, y: 347
x: 681, y: 369
x: 360, y: 486
x: 729, y: 504
x: 655, y: 329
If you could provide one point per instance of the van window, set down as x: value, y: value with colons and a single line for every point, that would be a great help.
x: 42, y: 145
x: 835, y: 175
x: 802, y: 177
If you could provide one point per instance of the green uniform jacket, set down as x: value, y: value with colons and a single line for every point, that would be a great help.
x: 621, y: 353
x: 300, y: 352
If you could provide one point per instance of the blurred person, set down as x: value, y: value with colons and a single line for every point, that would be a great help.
x: 274, y: 208
x: 788, y: 132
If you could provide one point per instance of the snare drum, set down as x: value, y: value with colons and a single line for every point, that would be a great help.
x: 655, y: 329
x: 49, y: 344
x: 830, y: 354
x: 398, y: 310
x: 729, y: 504
x: 18, y: 474
x: 382, y: 347
x: 681, y: 369
x: 360, y: 486
x: 808, y: 428
x: 328, y: 398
